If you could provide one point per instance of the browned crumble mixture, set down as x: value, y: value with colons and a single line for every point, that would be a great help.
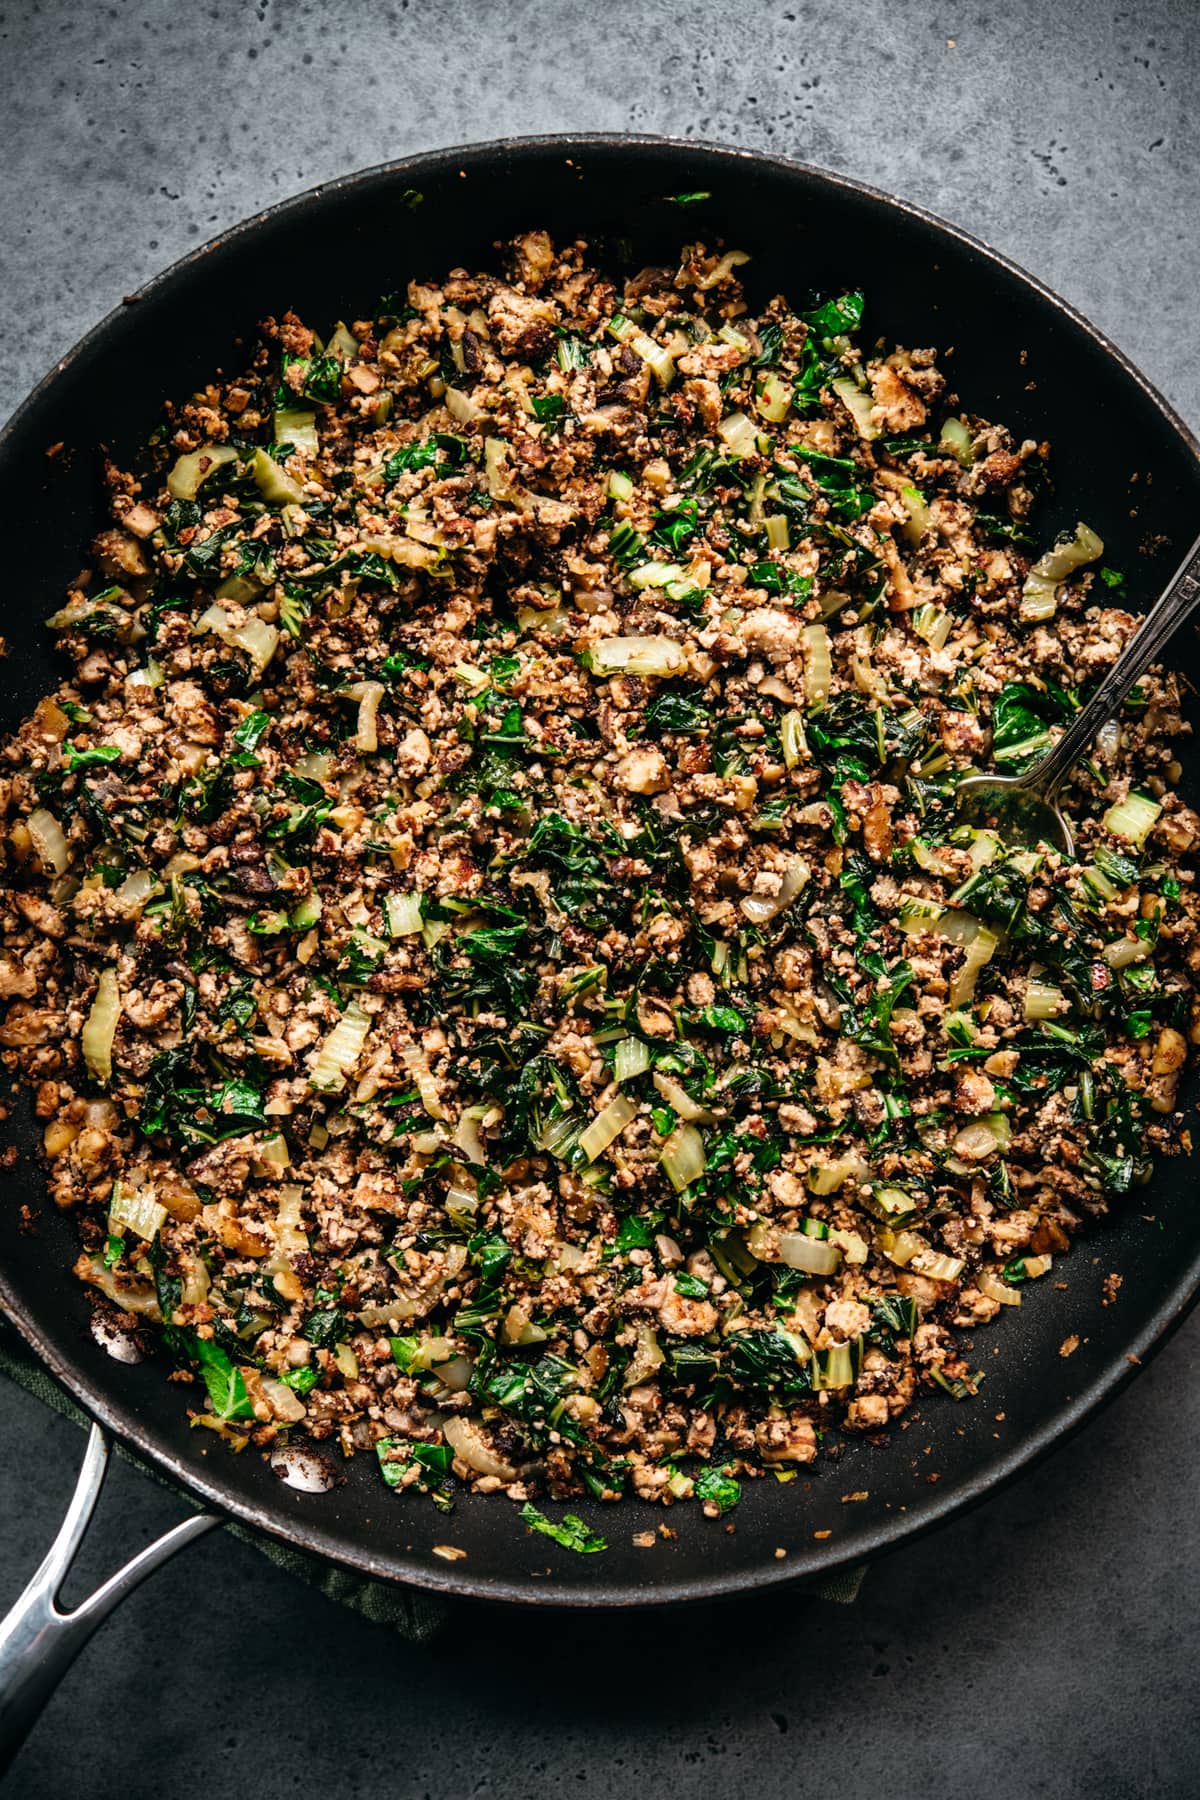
x: 485, y: 917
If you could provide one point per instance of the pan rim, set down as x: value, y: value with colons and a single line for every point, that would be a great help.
x: 819, y: 1560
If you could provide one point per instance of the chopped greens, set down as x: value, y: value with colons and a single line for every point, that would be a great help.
x: 571, y: 1533
x: 509, y: 982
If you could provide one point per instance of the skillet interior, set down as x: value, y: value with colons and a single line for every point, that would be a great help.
x: 1021, y: 358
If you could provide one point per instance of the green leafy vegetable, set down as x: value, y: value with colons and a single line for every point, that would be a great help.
x: 572, y: 1533
x: 91, y: 758
x: 226, y: 1390
x: 718, y: 1486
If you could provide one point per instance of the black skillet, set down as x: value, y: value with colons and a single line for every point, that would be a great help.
x: 1124, y: 462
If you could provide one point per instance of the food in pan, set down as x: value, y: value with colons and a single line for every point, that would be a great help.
x: 506, y: 985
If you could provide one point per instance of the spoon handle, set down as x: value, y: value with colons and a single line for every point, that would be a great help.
x: 1177, y: 603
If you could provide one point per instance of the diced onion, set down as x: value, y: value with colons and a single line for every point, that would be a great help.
x: 560, y: 1136
x: 680, y: 1101
x: 901, y: 1246
x: 316, y: 764
x: 775, y: 399
x: 636, y: 656
x: 937, y: 1266
x: 337, y: 1055
x: 183, y: 482
x: 456, y: 1372
x: 135, y: 891
x: 342, y: 343
x: 291, y: 1239
x: 49, y: 841
x: 792, y: 739
x: 956, y: 438
x: 1100, y: 884
x: 759, y: 908
x: 659, y: 359
x: 984, y: 846
x: 732, y: 259
x: 403, y: 914
x: 979, y: 951
x: 368, y: 694
x: 273, y: 481
x: 632, y: 1058
x: 258, y: 639
x: 655, y: 575
x: 286, y: 1403
x: 683, y: 1157
x: 466, y: 1134
x: 917, y: 523
x: 417, y: 1064
x: 463, y: 407
x: 927, y: 857
x: 499, y: 485
x: 462, y: 1200
x: 100, y: 1027
x: 607, y: 1126
x: 646, y: 1358
x: 933, y: 624
x: 1123, y: 951
x: 826, y: 1178
x: 470, y: 1446
x: 738, y: 435
x: 1108, y: 740
x: 294, y: 426
x: 981, y: 1138
x: 273, y: 1152
x: 475, y: 678
x: 858, y: 404
x: 894, y: 1205
x: 818, y: 664
x: 917, y: 914
x: 195, y: 1283
x: 1039, y: 596
x: 136, y: 1210
x: 814, y: 1256
x: 836, y: 1367
x: 128, y: 1296
x: 994, y: 1289
x: 854, y: 1248
x: 1042, y: 999
x: 1132, y: 818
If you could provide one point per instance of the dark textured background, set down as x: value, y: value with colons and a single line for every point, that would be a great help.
x: 1047, y: 1644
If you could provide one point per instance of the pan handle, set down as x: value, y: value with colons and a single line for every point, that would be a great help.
x: 38, y: 1643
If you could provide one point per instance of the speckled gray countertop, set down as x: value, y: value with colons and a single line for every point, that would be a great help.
x: 1046, y: 1645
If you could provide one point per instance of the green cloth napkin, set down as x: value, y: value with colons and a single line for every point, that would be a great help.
x: 417, y: 1616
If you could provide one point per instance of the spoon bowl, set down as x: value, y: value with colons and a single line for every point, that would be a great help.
x: 1038, y: 787
x: 1018, y: 808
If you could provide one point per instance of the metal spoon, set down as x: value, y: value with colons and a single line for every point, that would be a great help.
x: 1038, y: 787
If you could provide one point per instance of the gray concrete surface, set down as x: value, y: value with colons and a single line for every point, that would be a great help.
x: 1044, y: 1646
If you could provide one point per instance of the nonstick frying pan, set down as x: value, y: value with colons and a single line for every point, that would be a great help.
x: 1123, y: 461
